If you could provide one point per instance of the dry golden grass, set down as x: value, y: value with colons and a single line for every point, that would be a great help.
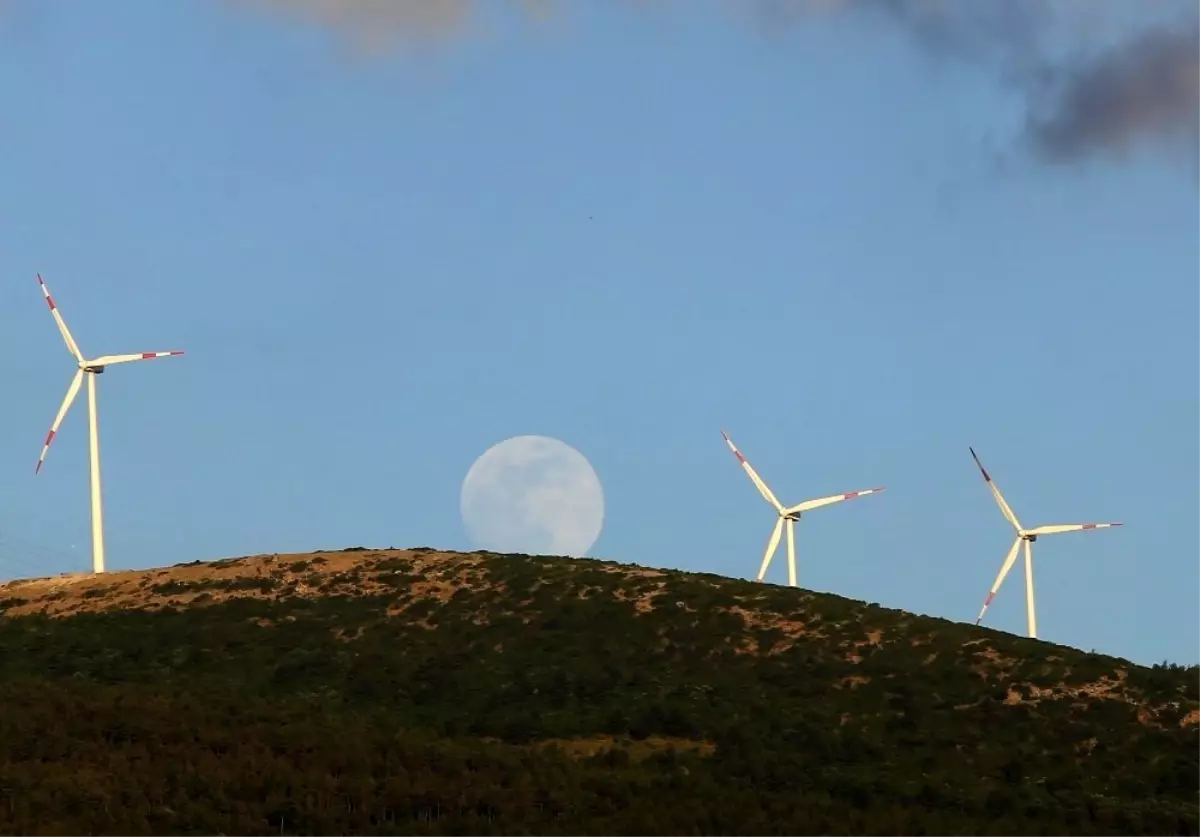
x: 324, y: 573
x: 441, y: 573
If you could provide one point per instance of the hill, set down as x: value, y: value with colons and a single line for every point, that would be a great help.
x: 415, y: 691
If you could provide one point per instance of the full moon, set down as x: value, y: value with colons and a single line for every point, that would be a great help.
x: 533, y: 495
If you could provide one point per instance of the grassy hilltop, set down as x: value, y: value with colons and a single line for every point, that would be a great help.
x: 414, y: 691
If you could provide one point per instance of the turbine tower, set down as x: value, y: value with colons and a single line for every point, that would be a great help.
x: 789, y: 515
x: 90, y: 368
x: 1028, y: 537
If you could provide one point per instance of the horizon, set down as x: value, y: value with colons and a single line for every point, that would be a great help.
x: 222, y: 564
x: 87, y: 575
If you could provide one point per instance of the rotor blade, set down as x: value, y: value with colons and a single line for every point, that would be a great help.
x: 109, y: 360
x: 62, y: 326
x: 1008, y: 562
x: 809, y: 505
x: 72, y: 391
x: 1070, y: 527
x: 754, y: 478
x: 772, y: 545
x: 1008, y: 512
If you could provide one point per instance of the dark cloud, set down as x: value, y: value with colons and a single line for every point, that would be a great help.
x: 1143, y: 90
x: 1148, y: 89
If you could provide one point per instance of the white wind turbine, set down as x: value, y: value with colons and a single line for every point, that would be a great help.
x: 91, y: 368
x: 789, y: 515
x: 1028, y: 536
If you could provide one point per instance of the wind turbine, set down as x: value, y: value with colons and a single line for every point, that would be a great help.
x: 90, y: 368
x: 789, y: 515
x: 1028, y: 536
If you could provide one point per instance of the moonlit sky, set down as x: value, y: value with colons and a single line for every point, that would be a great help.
x: 859, y: 240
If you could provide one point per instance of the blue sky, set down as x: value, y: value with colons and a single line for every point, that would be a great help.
x: 625, y: 227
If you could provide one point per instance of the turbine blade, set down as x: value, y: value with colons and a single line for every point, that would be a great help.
x: 1070, y: 527
x: 72, y: 391
x: 109, y: 360
x: 772, y: 545
x: 62, y: 326
x: 809, y: 505
x: 754, y: 478
x: 1004, y: 507
x: 1008, y: 562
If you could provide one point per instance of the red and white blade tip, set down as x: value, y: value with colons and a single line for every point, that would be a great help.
x: 149, y: 355
x: 45, y: 449
x: 733, y: 448
x: 987, y: 602
x: 853, y: 494
x: 46, y: 292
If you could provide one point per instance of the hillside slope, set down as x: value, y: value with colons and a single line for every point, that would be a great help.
x: 414, y: 691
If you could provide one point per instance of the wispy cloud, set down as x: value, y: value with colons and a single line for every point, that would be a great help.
x: 1101, y: 99
x: 377, y: 25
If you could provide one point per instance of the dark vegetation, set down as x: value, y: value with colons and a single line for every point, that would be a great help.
x: 413, y: 691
